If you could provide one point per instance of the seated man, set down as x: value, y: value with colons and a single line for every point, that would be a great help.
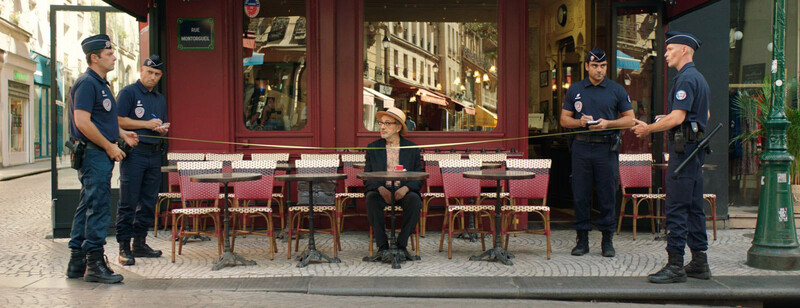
x: 378, y: 194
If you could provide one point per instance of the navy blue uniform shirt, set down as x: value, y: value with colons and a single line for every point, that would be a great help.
x: 137, y: 103
x: 91, y: 93
x: 690, y: 93
x: 606, y: 100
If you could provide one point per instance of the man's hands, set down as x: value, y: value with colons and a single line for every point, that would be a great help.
x: 641, y: 129
x: 163, y: 129
x: 153, y: 124
x: 114, y: 152
x: 584, y: 119
x: 398, y: 194
x: 601, y: 124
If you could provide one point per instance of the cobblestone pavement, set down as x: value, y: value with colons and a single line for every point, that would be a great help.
x: 25, y: 252
x: 206, y: 298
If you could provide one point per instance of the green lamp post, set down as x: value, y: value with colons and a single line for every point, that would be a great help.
x: 775, y: 243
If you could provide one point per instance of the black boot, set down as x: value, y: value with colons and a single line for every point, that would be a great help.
x: 77, y: 263
x: 125, y: 254
x: 582, y: 246
x: 698, y: 267
x: 608, y: 244
x: 672, y: 272
x: 141, y: 249
x: 97, y: 270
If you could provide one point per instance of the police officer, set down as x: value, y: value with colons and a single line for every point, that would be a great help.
x: 590, y: 104
x: 93, y: 124
x: 686, y: 121
x: 143, y: 110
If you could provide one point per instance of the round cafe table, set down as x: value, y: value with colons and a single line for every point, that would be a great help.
x: 497, y: 253
x: 312, y: 254
x: 393, y: 254
x: 228, y: 258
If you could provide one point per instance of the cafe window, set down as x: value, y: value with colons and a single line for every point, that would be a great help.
x: 450, y: 81
x: 275, y: 68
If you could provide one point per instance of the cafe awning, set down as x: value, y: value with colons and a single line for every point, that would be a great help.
x: 369, y: 99
x: 484, y: 117
x: 135, y: 8
x: 42, y: 74
x: 387, y: 101
x: 461, y: 105
x: 431, y: 97
x: 625, y: 61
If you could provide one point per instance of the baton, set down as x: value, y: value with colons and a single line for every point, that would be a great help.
x: 703, y: 143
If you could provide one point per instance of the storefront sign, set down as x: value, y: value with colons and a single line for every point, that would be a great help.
x: 20, y: 76
x: 754, y: 73
x: 251, y: 8
x: 195, y: 33
x: 384, y: 89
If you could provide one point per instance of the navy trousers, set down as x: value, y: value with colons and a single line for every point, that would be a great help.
x: 411, y: 204
x: 92, y: 217
x: 140, y: 180
x: 686, y: 221
x: 594, y: 165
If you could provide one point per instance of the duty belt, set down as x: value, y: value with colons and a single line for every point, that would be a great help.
x: 592, y: 138
x: 90, y: 145
x: 148, y: 147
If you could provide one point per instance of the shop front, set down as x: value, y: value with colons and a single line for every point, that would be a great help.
x: 16, y: 89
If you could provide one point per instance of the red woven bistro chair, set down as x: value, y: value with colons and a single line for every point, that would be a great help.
x: 491, y: 158
x: 535, y: 188
x: 457, y: 187
x: 250, y: 192
x: 173, y: 179
x: 433, y: 185
x: 351, y: 184
x: 279, y: 187
x: 635, y: 172
x: 712, y: 204
x: 192, y: 196
x: 297, y: 212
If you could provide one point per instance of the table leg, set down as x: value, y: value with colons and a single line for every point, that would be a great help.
x: 497, y: 253
x: 312, y: 254
x: 228, y: 257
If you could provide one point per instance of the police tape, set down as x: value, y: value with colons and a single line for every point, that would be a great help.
x: 301, y: 147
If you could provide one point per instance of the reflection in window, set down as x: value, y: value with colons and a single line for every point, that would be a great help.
x: 447, y: 78
x: 275, y: 79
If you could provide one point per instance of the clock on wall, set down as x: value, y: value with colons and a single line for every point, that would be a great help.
x: 561, y: 16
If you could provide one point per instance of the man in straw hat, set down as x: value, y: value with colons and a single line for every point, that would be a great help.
x: 387, y: 157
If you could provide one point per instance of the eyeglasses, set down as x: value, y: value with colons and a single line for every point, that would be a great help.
x: 387, y: 123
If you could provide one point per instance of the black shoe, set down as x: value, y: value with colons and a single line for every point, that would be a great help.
x: 77, y: 263
x: 608, y: 244
x: 97, y: 269
x: 125, y: 254
x: 141, y: 249
x: 582, y: 246
x: 672, y: 272
x: 698, y: 267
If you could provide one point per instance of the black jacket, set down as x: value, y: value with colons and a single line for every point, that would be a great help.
x: 376, y: 161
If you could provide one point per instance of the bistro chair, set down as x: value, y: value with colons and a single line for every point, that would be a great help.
x: 250, y: 192
x: 491, y: 158
x: 319, y: 156
x: 712, y: 204
x: 297, y: 212
x: 351, y: 183
x: 535, y: 188
x: 457, y: 187
x: 635, y: 172
x: 193, y: 193
x: 226, y: 160
x: 173, y: 181
x: 433, y: 185
x: 279, y: 196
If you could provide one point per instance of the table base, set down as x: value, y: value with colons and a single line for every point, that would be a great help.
x: 230, y: 258
x: 393, y: 256
x: 202, y: 238
x: 315, y: 255
x: 495, y: 254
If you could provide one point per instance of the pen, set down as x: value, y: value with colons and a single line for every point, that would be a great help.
x: 154, y: 116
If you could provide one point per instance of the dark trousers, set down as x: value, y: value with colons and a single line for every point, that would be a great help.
x: 92, y: 217
x: 411, y: 204
x: 594, y: 165
x: 686, y: 221
x: 140, y: 180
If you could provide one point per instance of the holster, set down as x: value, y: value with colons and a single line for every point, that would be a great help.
x: 683, y: 134
x: 124, y: 146
x: 77, y: 153
x: 616, y: 143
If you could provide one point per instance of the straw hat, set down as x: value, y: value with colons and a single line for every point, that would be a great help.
x: 397, y: 114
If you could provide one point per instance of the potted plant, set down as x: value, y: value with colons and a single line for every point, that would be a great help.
x: 754, y: 107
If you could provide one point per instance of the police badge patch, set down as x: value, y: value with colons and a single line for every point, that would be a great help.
x: 107, y: 104
x: 680, y: 95
x: 578, y: 106
x: 139, y: 111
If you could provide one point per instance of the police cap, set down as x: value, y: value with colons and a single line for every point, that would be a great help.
x: 684, y: 38
x: 596, y: 55
x: 154, y: 61
x: 95, y: 42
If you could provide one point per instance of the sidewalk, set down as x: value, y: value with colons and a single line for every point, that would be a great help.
x: 28, y: 261
x: 14, y: 172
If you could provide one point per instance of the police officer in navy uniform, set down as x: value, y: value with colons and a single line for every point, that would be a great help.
x: 591, y: 104
x: 93, y: 124
x: 143, y: 110
x: 686, y: 121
